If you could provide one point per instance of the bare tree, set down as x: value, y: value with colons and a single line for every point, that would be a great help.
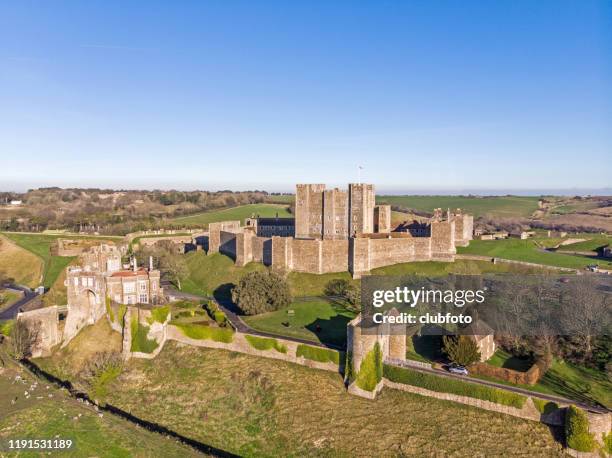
x: 23, y: 338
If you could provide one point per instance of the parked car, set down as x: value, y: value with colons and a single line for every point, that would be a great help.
x: 457, y: 369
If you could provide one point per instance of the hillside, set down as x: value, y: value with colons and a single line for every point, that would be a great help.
x: 20, y: 264
x: 256, y: 406
x: 239, y: 213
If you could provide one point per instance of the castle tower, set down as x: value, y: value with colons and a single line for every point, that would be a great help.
x: 309, y: 210
x: 335, y: 214
x: 361, y: 208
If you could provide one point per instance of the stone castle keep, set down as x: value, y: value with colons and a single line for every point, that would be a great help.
x: 339, y: 230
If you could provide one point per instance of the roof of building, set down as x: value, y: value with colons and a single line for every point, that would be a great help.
x: 276, y: 221
x: 130, y: 273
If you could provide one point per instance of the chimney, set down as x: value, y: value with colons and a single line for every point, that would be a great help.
x: 150, y: 263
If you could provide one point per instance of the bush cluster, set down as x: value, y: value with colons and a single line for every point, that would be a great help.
x: 199, y: 332
x: 215, y: 312
x: 545, y: 407
x: 260, y: 292
x: 448, y: 385
x: 577, y: 434
x: 322, y: 355
x: 160, y: 314
x: 264, y: 343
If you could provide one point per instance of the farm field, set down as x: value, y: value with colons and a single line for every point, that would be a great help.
x: 592, y: 243
x: 260, y: 407
x: 497, y: 206
x: 28, y: 271
x: 316, y: 320
x: 236, y: 213
x: 528, y: 251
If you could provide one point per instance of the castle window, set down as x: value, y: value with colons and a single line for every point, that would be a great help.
x: 143, y: 299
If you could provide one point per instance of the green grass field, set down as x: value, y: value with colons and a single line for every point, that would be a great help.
x: 593, y: 243
x: 230, y: 214
x: 503, y: 359
x: 317, y: 320
x: 499, y: 206
x: 528, y: 251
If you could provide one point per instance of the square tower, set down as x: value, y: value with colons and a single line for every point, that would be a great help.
x: 361, y: 208
x: 309, y: 210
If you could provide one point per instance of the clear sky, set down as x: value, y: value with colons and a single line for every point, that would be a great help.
x: 247, y: 94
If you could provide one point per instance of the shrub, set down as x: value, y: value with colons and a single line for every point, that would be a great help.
x: 121, y: 313
x: 447, y: 385
x: 109, y: 309
x: 370, y: 372
x: 140, y: 342
x: 263, y: 344
x: 577, y: 433
x: 545, y: 407
x: 100, y: 371
x: 6, y: 326
x: 322, y: 355
x: 260, y: 292
x: 22, y: 339
x: 460, y: 349
x: 215, y: 312
x: 199, y: 332
x: 607, y: 441
x: 159, y: 314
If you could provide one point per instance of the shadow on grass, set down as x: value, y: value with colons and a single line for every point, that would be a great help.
x: 330, y: 331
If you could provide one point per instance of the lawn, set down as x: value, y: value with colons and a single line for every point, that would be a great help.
x: 213, y: 274
x: 503, y: 359
x: 260, y: 407
x: 230, y: 214
x: 316, y: 320
x: 217, y: 272
x: 460, y: 266
x: 498, y: 206
x: 593, y: 243
x: 527, y: 250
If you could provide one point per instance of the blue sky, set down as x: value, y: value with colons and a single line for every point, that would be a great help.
x: 426, y: 96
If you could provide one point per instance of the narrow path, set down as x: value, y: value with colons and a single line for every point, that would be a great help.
x: 501, y: 386
x: 28, y: 297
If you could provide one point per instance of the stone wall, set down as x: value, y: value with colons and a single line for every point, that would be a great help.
x: 443, y: 240
x: 382, y: 219
x: 45, y: 326
x: 214, y: 233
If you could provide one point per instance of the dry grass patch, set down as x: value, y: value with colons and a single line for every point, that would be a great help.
x: 20, y: 264
x: 257, y: 406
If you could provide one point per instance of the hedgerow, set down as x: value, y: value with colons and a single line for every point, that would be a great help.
x: 263, y: 344
x: 448, y: 385
x: 577, y: 433
x: 198, y: 332
x: 322, y: 355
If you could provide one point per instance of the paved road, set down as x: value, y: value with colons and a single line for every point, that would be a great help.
x: 231, y: 311
x: 28, y: 297
x: 476, y: 381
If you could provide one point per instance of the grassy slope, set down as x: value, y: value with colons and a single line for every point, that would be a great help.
x: 10, y: 297
x: 257, y: 406
x: 27, y: 271
x: 332, y: 319
x: 105, y: 436
x: 236, y: 213
x: 526, y: 250
x: 502, y: 206
x: 592, y: 244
